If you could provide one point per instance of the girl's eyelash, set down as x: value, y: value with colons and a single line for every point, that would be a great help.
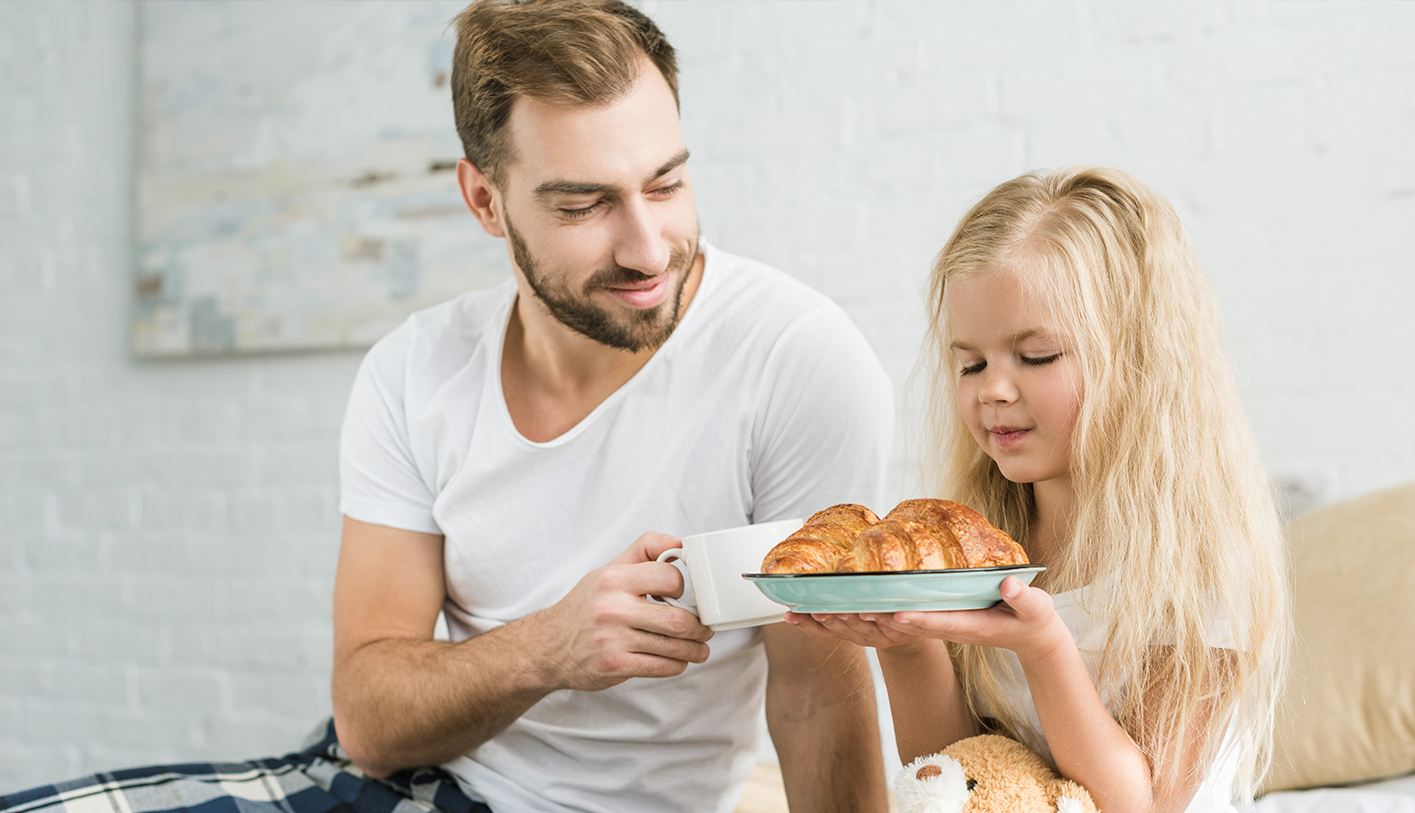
x: 1034, y: 361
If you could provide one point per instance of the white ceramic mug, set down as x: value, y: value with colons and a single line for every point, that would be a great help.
x: 712, y: 565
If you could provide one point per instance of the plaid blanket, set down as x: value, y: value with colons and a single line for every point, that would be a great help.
x: 318, y: 779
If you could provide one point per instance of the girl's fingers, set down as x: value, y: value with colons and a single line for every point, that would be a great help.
x: 876, y: 635
x: 808, y: 625
x: 1017, y: 622
x: 849, y: 627
x: 1029, y: 603
x: 821, y: 625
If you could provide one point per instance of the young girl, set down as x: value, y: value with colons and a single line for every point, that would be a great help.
x: 1082, y: 401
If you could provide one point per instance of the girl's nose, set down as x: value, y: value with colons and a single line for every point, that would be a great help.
x: 640, y: 243
x: 997, y: 388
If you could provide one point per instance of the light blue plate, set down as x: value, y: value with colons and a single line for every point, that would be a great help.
x: 967, y: 589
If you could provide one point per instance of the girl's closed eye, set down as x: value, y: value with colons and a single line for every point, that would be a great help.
x: 973, y: 368
x: 1038, y: 361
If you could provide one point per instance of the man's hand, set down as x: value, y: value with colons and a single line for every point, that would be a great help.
x: 403, y: 700
x: 605, y: 632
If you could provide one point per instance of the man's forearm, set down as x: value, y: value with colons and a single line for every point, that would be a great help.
x: 402, y: 700
x: 822, y: 717
x: 404, y: 703
x: 926, y: 702
x: 832, y: 762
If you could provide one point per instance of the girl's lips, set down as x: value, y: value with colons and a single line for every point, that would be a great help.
x: 643, y: 298
x: 1007, y: 436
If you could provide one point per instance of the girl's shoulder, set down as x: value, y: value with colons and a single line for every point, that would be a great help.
x: 1085, y: 611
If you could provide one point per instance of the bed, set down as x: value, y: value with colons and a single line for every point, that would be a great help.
x: 1345, y: 736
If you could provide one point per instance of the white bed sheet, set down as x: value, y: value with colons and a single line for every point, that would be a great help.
x: 1385, y: 796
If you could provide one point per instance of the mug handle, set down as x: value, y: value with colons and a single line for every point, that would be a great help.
x: 688, y: 601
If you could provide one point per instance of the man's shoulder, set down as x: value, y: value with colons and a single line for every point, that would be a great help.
x: 752, y: 296
x: 463, y: 321
x: 441, y: 339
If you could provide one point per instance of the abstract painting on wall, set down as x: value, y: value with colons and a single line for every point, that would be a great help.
x: 296, y: 186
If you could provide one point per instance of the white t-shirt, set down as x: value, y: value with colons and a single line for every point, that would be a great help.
x: 1089, y: 630
x: 765, y: 403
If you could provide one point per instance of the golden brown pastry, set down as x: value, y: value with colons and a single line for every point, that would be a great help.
x: 886, y: 545
x: 924, y: 534
x: 981, y: 544
x: 928, y: 534
x: 820, y: 543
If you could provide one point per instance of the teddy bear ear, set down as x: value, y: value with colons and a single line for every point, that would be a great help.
x: 931, y: 783
x: 1072, y: 798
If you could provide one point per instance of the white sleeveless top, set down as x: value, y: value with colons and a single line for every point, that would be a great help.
x: 1214, y: 794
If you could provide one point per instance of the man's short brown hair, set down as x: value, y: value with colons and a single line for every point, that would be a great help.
x: 574, y: 52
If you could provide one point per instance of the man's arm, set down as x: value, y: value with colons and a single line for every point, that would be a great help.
x: 925, y: 699
x: 820, y: 709
x: 404, y: 700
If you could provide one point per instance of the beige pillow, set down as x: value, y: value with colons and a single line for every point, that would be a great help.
x: 1348, y: 711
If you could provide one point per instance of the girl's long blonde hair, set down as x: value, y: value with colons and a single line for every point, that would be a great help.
x: 1173, y: 525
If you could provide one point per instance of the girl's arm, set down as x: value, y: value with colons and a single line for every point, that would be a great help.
x: 1089, y: 746
x: 925, y: 699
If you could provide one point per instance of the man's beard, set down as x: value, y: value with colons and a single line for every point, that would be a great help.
x: 645, y: 329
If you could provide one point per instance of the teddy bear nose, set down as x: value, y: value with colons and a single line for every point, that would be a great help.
x: 929, y: 772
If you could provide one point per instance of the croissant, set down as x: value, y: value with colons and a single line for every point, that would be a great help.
x: 820, y: 543
x: 924, y: 534
x: 930, y: 534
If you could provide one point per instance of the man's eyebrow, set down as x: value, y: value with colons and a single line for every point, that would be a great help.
x: 570, y: 188
x: 673, y: 163
x: 588, y: 188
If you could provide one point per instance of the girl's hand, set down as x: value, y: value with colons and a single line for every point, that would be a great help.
x: 1025, y: 622
x: 863, y: 629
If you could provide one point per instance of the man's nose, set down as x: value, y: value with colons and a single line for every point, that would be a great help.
x: 640, y: 244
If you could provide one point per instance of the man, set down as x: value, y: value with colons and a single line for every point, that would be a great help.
x: 504, y: 455
x: 501, y: 451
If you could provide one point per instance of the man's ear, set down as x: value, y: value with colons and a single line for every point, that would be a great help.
x: 481, y: 198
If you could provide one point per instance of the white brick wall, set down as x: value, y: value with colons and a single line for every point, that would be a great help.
x: 168, y: 531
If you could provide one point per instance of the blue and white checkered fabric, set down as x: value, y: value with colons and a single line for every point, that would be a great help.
x: 319, y: 779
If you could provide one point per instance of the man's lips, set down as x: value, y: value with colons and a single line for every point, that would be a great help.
x: 1006, y: 436
x: 647, y: 295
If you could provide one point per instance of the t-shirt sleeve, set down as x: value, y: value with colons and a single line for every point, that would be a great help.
x: 379, y: 479
x: 824, y: 435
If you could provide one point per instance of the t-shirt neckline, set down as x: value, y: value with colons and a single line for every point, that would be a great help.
x: 706, y: 288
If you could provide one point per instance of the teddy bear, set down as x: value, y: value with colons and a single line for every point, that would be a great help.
x: 987, y: 774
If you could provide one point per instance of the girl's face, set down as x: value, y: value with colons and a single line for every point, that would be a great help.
x: 1019, y: 387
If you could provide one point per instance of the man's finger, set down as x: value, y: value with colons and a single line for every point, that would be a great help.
x: 641, y: 579
x: 648, y: 548
x: 671, y: 622
x: 645, y: 642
